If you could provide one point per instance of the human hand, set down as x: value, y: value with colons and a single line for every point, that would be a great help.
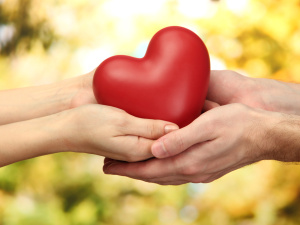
x: 111, y: 132
x: 219, y: 141
x: 227, y: 87
x: 44, y: 100
x: 84, y: 93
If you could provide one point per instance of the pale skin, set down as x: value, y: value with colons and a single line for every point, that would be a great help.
x: 246, y: 120
x: 64, y: 116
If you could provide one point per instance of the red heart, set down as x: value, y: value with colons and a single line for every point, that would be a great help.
x: 169, y: 83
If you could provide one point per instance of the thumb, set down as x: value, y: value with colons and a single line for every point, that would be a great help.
x: 208, y: 105
x: 173, y: 143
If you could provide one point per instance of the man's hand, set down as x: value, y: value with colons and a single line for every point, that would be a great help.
x: 219, y: 141
x: 225, y: 138
x: 228, y: 87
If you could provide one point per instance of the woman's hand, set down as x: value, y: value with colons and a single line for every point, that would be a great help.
x: 111, y: 132
x: 39, y: 101
x: 84, y: 93
x: 95, y: 129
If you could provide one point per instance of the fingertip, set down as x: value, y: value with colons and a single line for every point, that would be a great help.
x: 106, y: 160
x: 150, y: 128
x: 159, y: 150
x: 171, y: 127
x: 108, y: 167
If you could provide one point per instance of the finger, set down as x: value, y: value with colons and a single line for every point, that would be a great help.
x: 150, y: 169
x: 179, y: 167
x: 106, y: 160
x: 147, y: 128
x: 133, y: 148
x: 208, y: 105
x: 179, y: 140
x: 173, y: 182
x: 215, y: 82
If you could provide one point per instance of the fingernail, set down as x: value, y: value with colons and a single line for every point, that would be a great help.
x: 159, y: 149
x: 170, y: 128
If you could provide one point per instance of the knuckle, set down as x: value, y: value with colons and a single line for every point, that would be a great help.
x: 176, y: 165
x: 211, y: 127
x: 188, y: 170
x: 121, y: 120
x: 179, y: 143
x: 151, y: 129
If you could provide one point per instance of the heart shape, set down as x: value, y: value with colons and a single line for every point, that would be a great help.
x: 169, y: 83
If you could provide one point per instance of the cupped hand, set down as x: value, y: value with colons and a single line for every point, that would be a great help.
x: 219, y: 141
x: 111, y: 132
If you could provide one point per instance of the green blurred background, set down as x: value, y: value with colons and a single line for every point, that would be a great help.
x: 46, y: 41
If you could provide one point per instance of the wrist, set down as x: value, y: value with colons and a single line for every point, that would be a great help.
x: 66, y: 91
x: 73, y: 92
x: 281, y: 140
x: 29, y: 139
x: 37, y: 101
x: 67, y: 129
x: 276, y: 96
x: 84, y: 91
x: 54, y: 132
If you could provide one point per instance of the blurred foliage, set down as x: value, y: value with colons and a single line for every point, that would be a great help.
x: 27, y: 27
x: 45, y: 41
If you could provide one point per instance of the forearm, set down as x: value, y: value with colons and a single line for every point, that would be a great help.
x: 277, y: 96
x: 282, y: 138
x: 31, y: 138
x: 32, y: 102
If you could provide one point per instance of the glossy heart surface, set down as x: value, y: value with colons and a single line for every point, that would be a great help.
x: 169, y: 83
